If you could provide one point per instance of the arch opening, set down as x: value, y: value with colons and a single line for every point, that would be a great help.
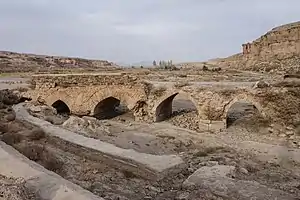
x: 173, y: 106
x: 109, y: 108
x: 244, y: 113
x: 61, y: 107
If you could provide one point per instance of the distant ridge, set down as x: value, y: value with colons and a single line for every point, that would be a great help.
x: 25, y: 62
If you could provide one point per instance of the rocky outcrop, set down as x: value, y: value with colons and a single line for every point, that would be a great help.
x: 280, y: 43
x: 277, y: 50
x: 19, y: 62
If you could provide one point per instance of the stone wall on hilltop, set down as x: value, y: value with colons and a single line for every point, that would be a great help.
x: 282, y: 42
x: 277, y: 50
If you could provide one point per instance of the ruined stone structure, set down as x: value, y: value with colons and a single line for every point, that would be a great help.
x: 277, y: 50
x: 97, y: 94
x: 282, y: 42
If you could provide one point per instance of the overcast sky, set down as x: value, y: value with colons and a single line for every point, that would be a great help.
x: 139, y: 30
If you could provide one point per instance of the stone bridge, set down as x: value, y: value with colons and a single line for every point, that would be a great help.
x: 99, y: 94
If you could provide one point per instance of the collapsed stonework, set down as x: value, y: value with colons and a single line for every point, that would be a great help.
x: 89, y: 94
x: 281, y: 42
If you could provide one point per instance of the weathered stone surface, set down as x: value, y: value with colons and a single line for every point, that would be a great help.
x: 272, y: 153
x: 47, y: 184
x: 277, y: 50
x: 276, y: 103
x: 261, y: 84
x: 217, y: 171
x: 215, y: 179
x: 159, y: 165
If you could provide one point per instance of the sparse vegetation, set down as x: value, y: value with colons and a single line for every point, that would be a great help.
x: 208, y: 150
x: 36, y: 134
x: 182, y: 76
x: 11, y: 138
x: 181, y: 84
x: 158, y: 91
x: 10, y: 117
x: 148, y: 87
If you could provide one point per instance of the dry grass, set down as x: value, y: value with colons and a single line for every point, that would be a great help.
x: 182, y: 75
x: 11, y: 138
x: 32, y: 151
x: 22, y: 89
x: 227, y: 92
x: 209, y: 150
x: 52, y: 163
x: 10, y: 117
x: 211, y: 113
x: 41, y: 155
x: 7, y: 97
x: 158, y: 92
x: 54, y: 120
x: 181, y: 84
x: 287, y: 84
x: 297, y: 130
x: 36, y: 134
x: 148, y: 87
x: 3, y: 127
x: 14, y: 127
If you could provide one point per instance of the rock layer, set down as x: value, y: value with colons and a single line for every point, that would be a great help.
x: 277, y: 50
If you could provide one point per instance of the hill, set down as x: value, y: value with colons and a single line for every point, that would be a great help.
x: 277, y: 50
x: 21, y: 62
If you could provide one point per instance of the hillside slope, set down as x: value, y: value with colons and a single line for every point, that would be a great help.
x: 277, y: 50
x: 19, y: 62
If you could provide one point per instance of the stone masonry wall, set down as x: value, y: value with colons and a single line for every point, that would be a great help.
x: 47, y: 81
x: 281, y: 43
x: 278, y: 103
x: 277, y: 50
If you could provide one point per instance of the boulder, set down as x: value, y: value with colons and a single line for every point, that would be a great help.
x: 85, y: 125
x: 261, y: 84
x: 206, y: 172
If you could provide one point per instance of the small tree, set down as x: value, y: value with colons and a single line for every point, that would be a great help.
x: 154, y: 63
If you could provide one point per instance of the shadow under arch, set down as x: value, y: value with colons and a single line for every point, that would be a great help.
x: 109, y: 108
x: 61, y: 107
x: 244, y: 110
x: 176, y: 104
x: 164, y: 109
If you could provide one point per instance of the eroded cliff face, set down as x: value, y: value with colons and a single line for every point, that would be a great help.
x: 277, y: 50
x: 280, y: 43
x: 19, y: 62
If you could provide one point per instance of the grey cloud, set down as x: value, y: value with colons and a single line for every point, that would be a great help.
x: 131, y: 30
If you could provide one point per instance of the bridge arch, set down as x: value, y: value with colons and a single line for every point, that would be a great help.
x: 61, y: 107
x: 242, y: 105
x: 163, y: 108
x: 109, y: 107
